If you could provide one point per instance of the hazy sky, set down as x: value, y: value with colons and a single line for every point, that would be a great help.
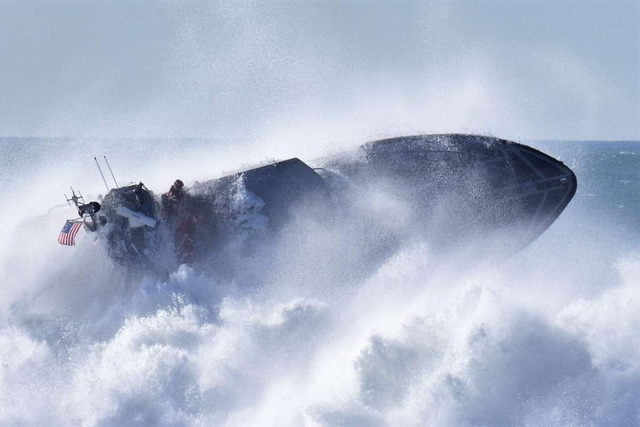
x: 533, y: 69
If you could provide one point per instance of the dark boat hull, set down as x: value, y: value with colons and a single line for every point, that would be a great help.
x: 474, y: 185
x: 448, y: 188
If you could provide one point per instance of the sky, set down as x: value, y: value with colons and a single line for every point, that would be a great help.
x: 133, y: 68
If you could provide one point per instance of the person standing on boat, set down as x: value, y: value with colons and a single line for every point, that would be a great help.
x: 185, y: 235
x: 172, y: 199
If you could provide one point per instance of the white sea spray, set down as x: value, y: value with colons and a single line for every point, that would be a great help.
x: 320, y: 333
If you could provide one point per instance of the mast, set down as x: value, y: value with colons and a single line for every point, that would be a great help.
x: 84, y: 209
x: 112, y: 176
x: 101, y: 174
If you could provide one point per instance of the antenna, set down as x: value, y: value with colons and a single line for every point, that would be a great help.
x: 112, y: 176
x: 75, y: 199
x: 101, y: 174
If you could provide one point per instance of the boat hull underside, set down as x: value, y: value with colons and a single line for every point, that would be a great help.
x: 447, y: 188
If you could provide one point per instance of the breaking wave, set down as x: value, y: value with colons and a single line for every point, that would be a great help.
x: 314, y: 335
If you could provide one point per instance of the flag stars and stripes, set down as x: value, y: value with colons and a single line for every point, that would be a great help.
x: 68, y: 234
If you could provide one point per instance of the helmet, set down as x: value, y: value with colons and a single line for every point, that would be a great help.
x: 178, y: 183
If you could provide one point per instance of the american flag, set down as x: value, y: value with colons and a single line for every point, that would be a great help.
x: 68, y: 234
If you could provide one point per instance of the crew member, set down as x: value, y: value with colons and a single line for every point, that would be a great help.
x: 171, y: 199
x: 184, y: 239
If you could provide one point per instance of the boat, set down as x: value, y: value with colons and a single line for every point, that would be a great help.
x: 447, y: 188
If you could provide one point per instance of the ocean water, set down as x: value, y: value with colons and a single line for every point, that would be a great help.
x: 546, y: 337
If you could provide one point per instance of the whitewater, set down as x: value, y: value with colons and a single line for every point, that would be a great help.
x: 318, y: 336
